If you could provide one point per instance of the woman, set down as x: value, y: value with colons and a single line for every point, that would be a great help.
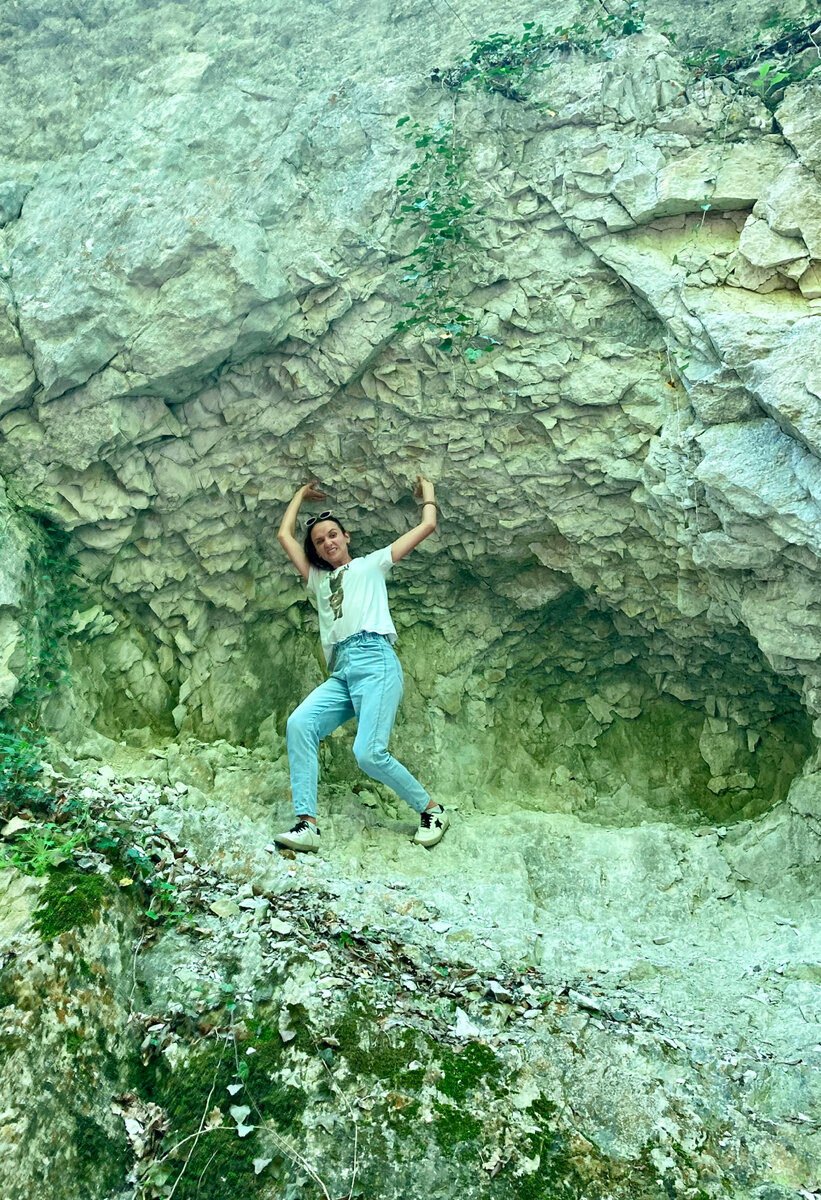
x: 357, y: 636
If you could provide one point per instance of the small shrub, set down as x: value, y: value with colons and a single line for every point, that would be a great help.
x: 21, y: 769
x: 41, y: 849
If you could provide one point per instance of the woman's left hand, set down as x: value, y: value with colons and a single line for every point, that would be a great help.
x: 423, y: 489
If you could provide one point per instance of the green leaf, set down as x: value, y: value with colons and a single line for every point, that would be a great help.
x: 401, y: 122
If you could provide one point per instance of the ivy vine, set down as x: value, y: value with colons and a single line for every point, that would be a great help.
x: 50, y: 601
x: 52, y: 598
x: 779, y: 60
x: 435, y: 193
x: 444, y: 215
x: 503, y: 63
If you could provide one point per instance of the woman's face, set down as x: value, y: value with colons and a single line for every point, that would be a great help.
x: 331, y: 543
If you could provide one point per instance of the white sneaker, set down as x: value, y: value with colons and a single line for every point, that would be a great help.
x: 432, y: 826
x: 303, y: 836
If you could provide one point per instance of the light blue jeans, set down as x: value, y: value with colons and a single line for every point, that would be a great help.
x: 367, y: 684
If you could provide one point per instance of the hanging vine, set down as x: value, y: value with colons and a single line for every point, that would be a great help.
x: 435, y: 192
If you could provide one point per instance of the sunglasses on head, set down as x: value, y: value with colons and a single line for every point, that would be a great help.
x: 323, y: 516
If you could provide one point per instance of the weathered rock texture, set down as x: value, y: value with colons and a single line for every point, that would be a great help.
x: 202, y: 284
x: 613, y: 1016
x: 200, y: 278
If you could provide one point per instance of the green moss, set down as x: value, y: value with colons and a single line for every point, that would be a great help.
x: 463, y: 1071
x: 221, y: 1163
x: 555, y: 1170
x: 452, y: 1127
x: 401, y: 1115
x: 284, y: 1105
x: 74, y: 1041
x: 369, y: 1051
x: 568, y: 1171
x: 220, y: 1166
x: 299, y: 1023
x: 101, y: 1163
x: 411, y: 1080
x: 70, y: 900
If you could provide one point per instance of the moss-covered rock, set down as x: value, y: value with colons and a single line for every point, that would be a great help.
x: 70, y: 900
x: 67, y: 1043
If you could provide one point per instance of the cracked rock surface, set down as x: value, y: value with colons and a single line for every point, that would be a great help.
x: 611, y: 647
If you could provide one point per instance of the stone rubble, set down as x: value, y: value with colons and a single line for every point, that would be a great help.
x: 256, y: 933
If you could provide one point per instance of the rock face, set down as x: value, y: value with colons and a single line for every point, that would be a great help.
x: 64, y: 1031
x: 201, y: 277
x: 202, y: 291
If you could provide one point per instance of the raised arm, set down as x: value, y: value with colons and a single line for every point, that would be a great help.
x: 287, y: 531
x: 410, y: 540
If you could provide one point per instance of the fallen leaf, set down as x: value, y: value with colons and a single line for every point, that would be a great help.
x: 14, y: 826
x: 464, y: 1027
x: 494, y: 1160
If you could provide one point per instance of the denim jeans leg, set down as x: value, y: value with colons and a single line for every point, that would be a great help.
x: 374, y: 678
x: 325, y: 709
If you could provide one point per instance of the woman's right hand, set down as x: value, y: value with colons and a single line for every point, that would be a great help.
x: 311, y: 491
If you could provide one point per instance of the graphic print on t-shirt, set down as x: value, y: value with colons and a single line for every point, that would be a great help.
x: 337, y: 593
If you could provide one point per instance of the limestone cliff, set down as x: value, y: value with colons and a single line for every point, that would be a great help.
x: 612, y: 645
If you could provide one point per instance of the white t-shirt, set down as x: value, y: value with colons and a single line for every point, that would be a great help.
x: 352, y: 599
